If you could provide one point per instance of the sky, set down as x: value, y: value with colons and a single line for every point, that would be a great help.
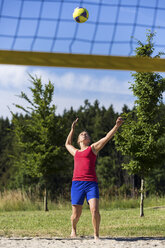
x: 71, y: 87
x: 21, y: 30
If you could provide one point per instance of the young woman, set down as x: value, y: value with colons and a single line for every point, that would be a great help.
x: 84, y: 181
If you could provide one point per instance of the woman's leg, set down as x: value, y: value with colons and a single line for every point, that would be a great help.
x: 94, y: 208
x: 76, y: 213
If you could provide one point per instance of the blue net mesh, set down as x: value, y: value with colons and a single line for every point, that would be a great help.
x: 112, y: 28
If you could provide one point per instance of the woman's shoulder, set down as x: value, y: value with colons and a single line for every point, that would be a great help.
x: 93, y: 149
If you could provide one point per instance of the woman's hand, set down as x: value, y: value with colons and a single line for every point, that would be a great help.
x: 119, y: 121
x: 74, y: 123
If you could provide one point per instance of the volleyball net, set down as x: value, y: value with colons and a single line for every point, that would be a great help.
x: 43, y: 33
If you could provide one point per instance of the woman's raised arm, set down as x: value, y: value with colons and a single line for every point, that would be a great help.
x: 97, y: 146
x: 68, y: 143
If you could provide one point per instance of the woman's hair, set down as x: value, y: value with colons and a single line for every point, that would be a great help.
x: 79, y: 135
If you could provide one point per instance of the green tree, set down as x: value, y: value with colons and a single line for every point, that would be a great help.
x: 39, y: 136
x: 139, y: 136
x: 155, y: 183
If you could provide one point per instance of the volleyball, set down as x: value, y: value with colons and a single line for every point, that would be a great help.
x: 80, y: 15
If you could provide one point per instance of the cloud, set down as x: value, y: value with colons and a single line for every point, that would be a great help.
x: 13, y: 76
x: 85, y: 82
x: 17, y: 77
x: 71, y: 88
x: 7, y: 99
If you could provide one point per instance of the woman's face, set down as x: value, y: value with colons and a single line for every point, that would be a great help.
x: 84, y: 137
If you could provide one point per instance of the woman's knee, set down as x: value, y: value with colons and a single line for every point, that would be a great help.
x: 75, y: 216
x: 95, y: 212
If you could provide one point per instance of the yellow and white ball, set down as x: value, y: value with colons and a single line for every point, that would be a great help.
x: 80, y: 15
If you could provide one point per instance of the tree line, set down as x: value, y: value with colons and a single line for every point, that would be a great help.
x: 97, y: 120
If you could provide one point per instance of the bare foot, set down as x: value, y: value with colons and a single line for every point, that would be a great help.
x: 96, y: 238
x: 73, y: 234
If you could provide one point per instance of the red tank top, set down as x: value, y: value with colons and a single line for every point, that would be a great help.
x: 84, y: 165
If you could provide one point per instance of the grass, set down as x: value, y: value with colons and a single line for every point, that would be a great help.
x: 19, y: 216
x: 114, y: 223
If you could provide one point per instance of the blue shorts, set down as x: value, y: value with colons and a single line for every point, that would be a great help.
x: 82, y: 189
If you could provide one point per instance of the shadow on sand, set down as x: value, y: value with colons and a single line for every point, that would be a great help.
x: 122, y: 239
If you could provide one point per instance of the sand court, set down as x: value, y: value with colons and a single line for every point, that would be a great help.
x: 87, y: 242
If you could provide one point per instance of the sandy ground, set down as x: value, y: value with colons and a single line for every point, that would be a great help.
x: 85, y: 242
